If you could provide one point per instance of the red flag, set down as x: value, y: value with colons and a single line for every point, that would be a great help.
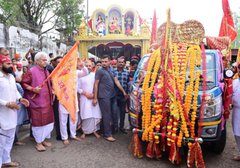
x: 227, y: 26
x: 90, y: 24
x: 154, y: 28
x: 140, y: 20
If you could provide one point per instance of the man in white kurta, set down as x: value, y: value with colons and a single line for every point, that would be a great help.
x: 64, y: 115
x: 236, y: 113
x: 8, y: 111
x: 90, y: 115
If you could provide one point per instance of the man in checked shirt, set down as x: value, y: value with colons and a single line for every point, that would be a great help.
x: 123, y: 77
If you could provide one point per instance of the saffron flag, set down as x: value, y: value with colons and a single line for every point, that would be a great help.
x: 64, y: 81
x: 154, y: 28
x: 227, y: 25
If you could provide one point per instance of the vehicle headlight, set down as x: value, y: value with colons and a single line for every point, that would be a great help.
x: 213, y: 107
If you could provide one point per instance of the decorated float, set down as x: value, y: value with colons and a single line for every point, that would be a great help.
x: 115, y: 31
x: 176, y: 98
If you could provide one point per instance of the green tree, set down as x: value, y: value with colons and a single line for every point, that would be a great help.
x: 236, y: 18
x: 34, y: 14
x: 69, y: 18
x: 8, y: 11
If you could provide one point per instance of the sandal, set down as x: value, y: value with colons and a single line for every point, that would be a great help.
x: 40, y: 148
x: 110, y: 139
x: 19, y: 143
x: 10, y: 164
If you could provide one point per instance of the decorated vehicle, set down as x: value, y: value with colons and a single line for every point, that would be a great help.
x: 176, y: 99
x: 213, y: 122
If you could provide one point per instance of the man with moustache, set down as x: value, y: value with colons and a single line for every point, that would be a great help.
x: 104, y: 93
x: 9, y: 98
x: 41, y: 100
x: 90, y: 115
x: 123, y: 77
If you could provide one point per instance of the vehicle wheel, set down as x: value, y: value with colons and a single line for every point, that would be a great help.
x: 218, y: 146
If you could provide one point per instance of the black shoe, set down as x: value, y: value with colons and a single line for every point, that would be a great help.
x: 122, y: 130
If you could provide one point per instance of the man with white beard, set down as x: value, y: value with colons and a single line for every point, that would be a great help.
x: 90, y: 115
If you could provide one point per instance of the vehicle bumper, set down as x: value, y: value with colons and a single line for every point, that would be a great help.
x: 211, y: 130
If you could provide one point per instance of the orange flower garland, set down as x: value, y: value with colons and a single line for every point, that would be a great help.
x: 189, y: 90
x: 196, y: 90
x: 147, y: 93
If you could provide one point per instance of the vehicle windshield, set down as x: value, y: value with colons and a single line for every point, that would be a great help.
x: 140, y: 73
x: 210, y: 68
x: 210, y: 75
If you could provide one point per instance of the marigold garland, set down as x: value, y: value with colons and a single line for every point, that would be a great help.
x: 154, y: 64
x: 196, y: 90
x: 189, y: 90
x: 180, y: 112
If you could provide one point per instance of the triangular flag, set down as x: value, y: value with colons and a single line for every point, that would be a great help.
x: 64, y: 81
x: 90, y: 24
x: 140, y: 19
x: 227, y: 26
x: 154, y: 28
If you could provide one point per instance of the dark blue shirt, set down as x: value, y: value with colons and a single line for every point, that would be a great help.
x: 123, y: 78
x: 106, y: 83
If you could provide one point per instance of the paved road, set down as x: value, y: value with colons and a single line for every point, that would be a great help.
x: 98, y: 153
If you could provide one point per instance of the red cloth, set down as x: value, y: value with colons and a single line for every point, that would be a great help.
x: 113, y: 62
x: 227, y: 97
x: 140, y: 20
x: 220, y: 43
x: 227, y: 26
x: 4, y: 59
x: 154, y: 28
x: 90, y: 24
x: 19, y: 65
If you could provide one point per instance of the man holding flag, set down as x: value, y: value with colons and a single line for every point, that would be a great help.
x: 39, y: 94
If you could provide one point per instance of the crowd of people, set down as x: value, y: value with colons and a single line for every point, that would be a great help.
x: 102, y: 96
x: 27, y: 98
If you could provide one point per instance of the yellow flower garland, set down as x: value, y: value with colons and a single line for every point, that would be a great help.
x: 196, y: 90
x: 181, y: 59
x: 180, y: 66
x: 154, y: 63
x: 189, y: 90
